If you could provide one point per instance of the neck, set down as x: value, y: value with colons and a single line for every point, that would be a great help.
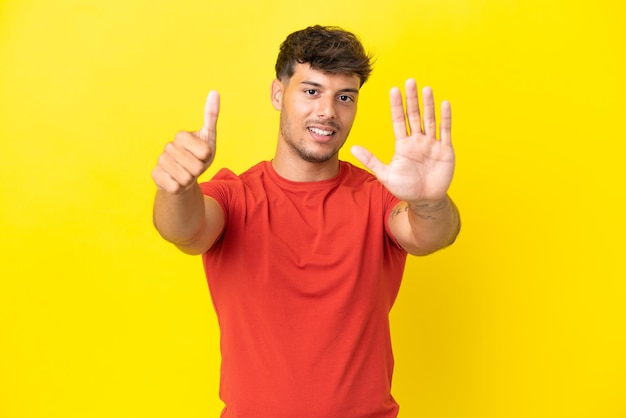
x: 294, y: 168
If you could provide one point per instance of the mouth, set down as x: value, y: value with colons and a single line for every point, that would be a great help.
x: 321, y: 134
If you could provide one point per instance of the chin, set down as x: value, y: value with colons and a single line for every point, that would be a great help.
x: 318, y: 158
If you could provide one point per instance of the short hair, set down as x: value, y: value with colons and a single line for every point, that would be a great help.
x: 329, y: 49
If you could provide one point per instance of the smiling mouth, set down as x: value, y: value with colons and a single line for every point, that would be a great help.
x: 321, y: 132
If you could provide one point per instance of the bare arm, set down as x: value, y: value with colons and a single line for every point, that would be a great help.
x: 424, y: 228
x: 419, y: 173
x: 182, y: 215
x: 188, y: 220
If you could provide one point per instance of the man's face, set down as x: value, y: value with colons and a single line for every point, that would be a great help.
x: 316, y: 112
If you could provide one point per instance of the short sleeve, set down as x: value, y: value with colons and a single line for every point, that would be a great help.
x: 220, y: 188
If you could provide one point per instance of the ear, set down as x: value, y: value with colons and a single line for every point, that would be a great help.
x: 277, y: 94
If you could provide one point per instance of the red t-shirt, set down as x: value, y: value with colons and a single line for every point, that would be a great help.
x: 302, y: 279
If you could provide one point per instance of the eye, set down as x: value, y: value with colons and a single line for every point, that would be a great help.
x: 310, y: 92
x: 345, y: 98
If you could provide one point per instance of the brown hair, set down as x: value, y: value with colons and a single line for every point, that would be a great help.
x: 325, y: 48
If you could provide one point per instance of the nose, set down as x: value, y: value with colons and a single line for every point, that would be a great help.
x: 326, y: 107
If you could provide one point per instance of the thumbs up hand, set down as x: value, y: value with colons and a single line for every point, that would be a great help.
x: 190, y: 153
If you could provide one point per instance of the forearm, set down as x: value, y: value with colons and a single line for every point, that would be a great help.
x: 180, y: 217
x: 433, y: 225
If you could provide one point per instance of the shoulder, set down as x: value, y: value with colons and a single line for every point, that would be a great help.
x: 362, y: 181
x: 350, y: 173
x: 225, y: 175
x: 365, y: 181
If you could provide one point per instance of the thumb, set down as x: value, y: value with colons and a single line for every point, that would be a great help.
x: 369, y: 160
x: 211, y: 111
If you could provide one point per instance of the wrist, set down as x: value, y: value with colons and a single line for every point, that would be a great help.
x: 429, y: 206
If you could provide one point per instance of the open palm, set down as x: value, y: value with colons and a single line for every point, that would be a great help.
x: 422, y: 167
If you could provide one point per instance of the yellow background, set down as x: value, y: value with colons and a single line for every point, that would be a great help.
x: 524, y: 317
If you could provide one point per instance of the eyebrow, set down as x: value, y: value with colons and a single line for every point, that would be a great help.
x: 314, y: 84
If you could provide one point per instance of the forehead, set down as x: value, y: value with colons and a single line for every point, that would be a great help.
x: 304, y: 73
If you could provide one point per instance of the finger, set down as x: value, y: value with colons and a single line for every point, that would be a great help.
x: 164, y: 181
x: 445, y: 126
x: 186, y: 158
x: 198, y: 148
x: 211, y: 112
x: 397, y: 113
x: 412, y: 106
x: 369, y: 160
x: 430, y: 125
x: 174, y: 170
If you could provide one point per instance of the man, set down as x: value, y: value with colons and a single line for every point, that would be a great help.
x: 304, y: 254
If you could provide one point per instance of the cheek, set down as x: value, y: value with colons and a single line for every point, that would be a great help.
x: 347, y: 116
x: 303, y: 108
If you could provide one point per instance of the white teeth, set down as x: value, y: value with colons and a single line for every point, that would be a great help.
x: 321, y: 131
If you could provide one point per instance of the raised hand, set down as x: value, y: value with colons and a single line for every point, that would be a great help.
x: 422, y: 167
x: 190, y: 153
